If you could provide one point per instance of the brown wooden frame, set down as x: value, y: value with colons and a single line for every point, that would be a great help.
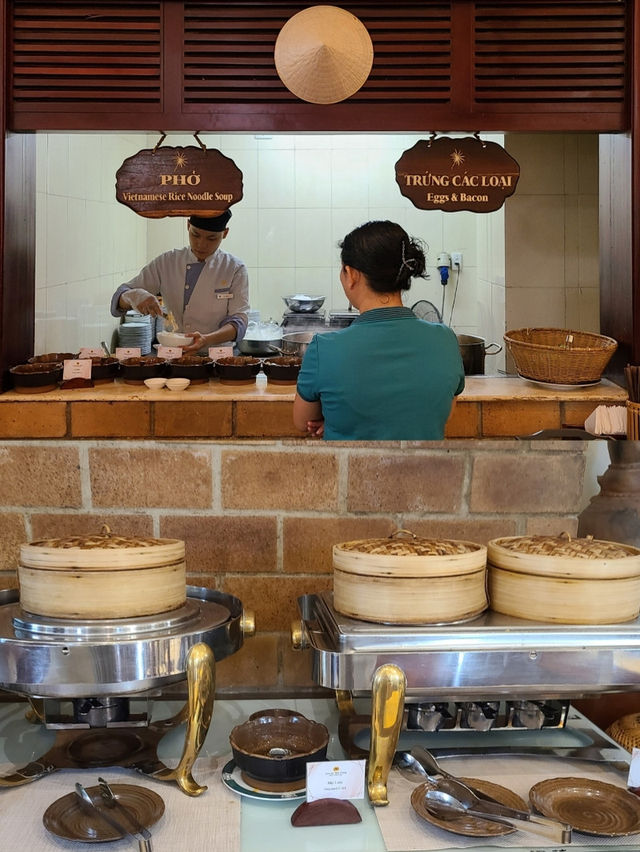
x: 620, y: 222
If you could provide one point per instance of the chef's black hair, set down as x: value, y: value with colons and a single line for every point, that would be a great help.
x: 386, y: 254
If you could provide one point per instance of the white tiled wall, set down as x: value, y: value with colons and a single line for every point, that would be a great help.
x: 302, y: 194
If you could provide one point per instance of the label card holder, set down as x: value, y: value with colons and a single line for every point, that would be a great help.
x: 123, y: 352
x: 169, y: 352
x: 337, y: 779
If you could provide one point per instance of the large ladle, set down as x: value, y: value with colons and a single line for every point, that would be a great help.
x: 447, y: 806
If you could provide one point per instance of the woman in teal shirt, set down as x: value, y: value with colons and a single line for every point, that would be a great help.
x: 389, y: 375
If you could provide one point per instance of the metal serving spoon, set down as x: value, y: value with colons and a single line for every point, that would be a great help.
x: 445, y: 802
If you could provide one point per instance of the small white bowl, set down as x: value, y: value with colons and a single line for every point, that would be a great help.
x: 174, y: 338
x: 178, y: 384
x: 155, y: 383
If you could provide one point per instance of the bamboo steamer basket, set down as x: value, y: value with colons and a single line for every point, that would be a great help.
x: 405, y: 579
x: 102, y: 576
x: 564, y: 580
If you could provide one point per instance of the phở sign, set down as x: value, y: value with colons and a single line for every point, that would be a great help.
x: 178, y: 182
x: 457, y: 174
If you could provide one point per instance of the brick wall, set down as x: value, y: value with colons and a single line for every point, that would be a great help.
x: 259, y: 519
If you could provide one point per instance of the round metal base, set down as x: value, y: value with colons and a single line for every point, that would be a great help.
x: 50, y: 658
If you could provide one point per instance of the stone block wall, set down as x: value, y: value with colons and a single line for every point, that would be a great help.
x: 259, y: 518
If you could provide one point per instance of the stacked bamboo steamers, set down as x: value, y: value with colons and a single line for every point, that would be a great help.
x: 405, y: 579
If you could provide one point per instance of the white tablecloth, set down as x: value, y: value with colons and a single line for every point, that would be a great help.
x: 203, y: 823
x: 404, y: 831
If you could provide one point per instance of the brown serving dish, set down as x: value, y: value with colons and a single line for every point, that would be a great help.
x: 36, y: 378
x: 276, y: 749
x: 136, y: 370
x: 52, y: 358
x: 104, y: 369
x: 282, y: 370
x: 237, y: 369
x: 197, y: 368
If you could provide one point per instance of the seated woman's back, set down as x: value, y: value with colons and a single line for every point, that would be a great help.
x: 389, y: 376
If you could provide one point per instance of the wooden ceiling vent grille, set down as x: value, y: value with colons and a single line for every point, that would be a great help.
x: 228, y: 52
x: 551, y: 55
x: 72, y: 53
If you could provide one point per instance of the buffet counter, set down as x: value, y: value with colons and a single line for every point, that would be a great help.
x: 490, y: 407
x: 220, y: 819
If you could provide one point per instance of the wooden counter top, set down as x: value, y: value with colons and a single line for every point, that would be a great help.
x: 491, y: 406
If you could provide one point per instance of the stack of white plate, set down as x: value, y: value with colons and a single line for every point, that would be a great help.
x: 134, y: 334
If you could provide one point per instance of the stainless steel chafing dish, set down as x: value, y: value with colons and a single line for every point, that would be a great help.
x: 493, y: 672
x: 88, y: 678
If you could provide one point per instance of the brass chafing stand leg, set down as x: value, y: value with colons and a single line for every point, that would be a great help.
x: 387, y: 698
x: 35, y: 712
x: 201, y: 689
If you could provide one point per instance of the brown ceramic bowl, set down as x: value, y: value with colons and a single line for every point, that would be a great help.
x: 282, y: 370
x: 52, y: 358
x: 36, y: 378
x: 104, y: 369
x: 136, y: 370
x: 197, y: 368
x: 276, y: 749
x: 237, y: 369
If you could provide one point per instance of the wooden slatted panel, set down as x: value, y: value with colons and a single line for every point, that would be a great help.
x: 550, y: 53
x: 228, y: 52
x: 77, y: 52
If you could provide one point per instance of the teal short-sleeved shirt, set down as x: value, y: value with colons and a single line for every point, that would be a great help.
x: 388, y: 376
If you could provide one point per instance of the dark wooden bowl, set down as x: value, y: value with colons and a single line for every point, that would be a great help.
x: 197, y: 368
x: 237, y: 368
x: 136, y: 370
x: 36, y: 378
x: 277, y: 749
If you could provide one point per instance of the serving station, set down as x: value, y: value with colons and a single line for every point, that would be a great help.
x: 91, y: 681
x: 494, y: 675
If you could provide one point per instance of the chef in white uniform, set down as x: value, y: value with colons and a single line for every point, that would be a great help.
x: 206, y: 289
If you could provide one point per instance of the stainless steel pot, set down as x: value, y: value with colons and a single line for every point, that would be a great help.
x: 473, y: 349
x: 296, y: 343
x: 256, y: 347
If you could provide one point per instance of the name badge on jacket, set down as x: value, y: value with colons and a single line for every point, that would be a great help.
x: 224, y: 295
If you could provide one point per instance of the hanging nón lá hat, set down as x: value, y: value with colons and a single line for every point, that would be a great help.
x: 323, y: 54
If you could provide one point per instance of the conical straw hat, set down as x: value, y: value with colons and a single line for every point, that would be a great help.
x: 323, y: 54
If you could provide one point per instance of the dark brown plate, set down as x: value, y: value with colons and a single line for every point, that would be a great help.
x: 468, y: 825
x: 591, y: 806
x: 67, y: 818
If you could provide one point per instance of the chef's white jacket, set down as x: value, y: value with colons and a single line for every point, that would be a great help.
x: 220, y: 295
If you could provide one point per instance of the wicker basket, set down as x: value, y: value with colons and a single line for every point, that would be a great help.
x: 559, y: 355
x: 626, y: 731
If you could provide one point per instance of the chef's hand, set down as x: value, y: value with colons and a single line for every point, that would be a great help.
x: 199, y: 342
x: 315, y: 428
x: 141, y: 301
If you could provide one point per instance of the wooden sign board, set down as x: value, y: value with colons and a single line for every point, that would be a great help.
x: 457, y: 174
x: 178, y: 182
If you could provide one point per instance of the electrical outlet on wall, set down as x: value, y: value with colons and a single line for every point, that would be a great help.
x: 456, y: 259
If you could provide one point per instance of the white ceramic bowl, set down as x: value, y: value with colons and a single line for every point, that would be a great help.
x: 155, y: 383
x: 178, y: 384
x: 174, y: 338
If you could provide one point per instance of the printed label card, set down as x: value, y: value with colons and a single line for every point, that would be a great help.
x: 169, y: 352
x: 91, y: 352
x: 338, y: 779
x: 78, y: 368
x: 123, y: 352
x: 216, y: 352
